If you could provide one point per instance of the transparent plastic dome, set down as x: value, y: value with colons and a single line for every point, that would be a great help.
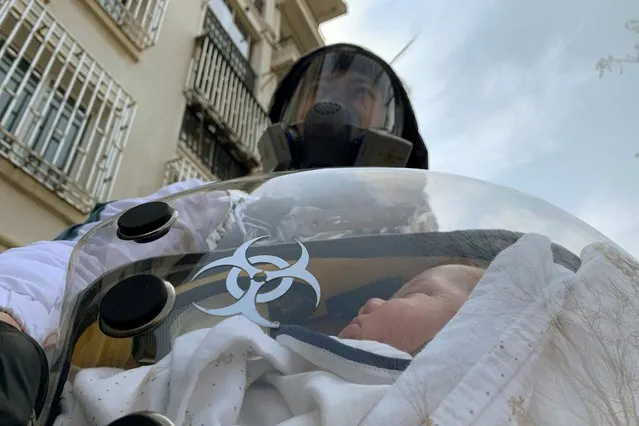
x: 303, y: 249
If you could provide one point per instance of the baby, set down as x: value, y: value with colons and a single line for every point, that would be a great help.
x: 418, y: 311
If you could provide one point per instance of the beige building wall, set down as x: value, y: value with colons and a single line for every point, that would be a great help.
x: 28, y: 211
x: 156, y: 79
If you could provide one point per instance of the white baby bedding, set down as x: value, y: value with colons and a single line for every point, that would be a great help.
x: 535, y: 344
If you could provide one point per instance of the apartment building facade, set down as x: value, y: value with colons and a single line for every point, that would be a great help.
x: 106, y: 99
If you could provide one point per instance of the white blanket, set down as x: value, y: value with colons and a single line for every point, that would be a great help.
x: 534, y: 344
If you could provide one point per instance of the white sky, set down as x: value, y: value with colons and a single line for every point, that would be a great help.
x: 508, y: 92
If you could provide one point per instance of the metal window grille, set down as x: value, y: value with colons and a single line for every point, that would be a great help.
x: 183, y: 168
x: 209, y: 145
x: 139, y: 20
x: 63, y: 118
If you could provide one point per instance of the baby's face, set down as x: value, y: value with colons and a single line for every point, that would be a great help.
x: 418, y: 311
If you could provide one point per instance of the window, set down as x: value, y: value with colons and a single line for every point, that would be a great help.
x: 20, y: 106
x: 59, y: 129
x: 226, y: 166
x: 208, y: 144
x: 220, y: 83
x: 139, y: 20
x: 64, y: 119
x: 226, y: 16
x: 62, y: 123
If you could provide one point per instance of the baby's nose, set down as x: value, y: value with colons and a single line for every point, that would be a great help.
x: 371, y: 305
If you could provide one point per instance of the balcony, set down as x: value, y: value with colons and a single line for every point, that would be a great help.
x: 139, y: 20
x: 325, y: 10
x: 184, y: 167
x: 208, y: 149
x: 226, y: 46
x: 245, y: 21
x: 301, y: 22
x: 223, y: 24
x: 303, y: 17
x: 220, y: 85
x: 63, y: 119
x: 285, y: 54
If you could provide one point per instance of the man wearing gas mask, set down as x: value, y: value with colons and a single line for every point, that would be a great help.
x: 338, y: 106
x: 341, y: 106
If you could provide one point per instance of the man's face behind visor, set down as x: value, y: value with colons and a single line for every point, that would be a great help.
x: 354, y: 91
x: 355, y: 81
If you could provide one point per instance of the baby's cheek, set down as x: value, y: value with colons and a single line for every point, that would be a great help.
x: 390, y: 326
x: 420, y: 322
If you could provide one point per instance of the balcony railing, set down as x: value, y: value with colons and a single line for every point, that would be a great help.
x: 214, y: 29
x: 215, y: 88
x: 63, y: 119
x: 226, y: 19
x: 184, y: 168
x: 210, y: 147
x: 139, y: 20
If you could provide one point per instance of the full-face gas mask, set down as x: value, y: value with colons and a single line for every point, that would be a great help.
x: 341, y: 106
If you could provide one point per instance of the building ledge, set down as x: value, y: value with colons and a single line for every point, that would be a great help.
x: 304, y: 26
x: 325, y: 10
x: 26, y: 184
x: 285, y: 54
x: 7, y: 243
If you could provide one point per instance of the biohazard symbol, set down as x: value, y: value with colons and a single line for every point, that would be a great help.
x: 247, y: 300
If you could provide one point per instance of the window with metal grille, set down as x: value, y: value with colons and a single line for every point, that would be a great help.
x: 139, y: 20
x: 210, y: 146
x: 221, y: 23
x: 219, y: 87
x: 51, y: 137
x: 63, y: 118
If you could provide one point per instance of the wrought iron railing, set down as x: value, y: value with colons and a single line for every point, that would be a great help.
x: 216, y: 89
x: 184, y: 168
x: 224, y: 44
x: 209, y: 144
x: 139, y: 20
x: 63, y: 118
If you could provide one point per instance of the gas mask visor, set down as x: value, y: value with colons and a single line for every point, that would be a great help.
x: 344, y: 112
